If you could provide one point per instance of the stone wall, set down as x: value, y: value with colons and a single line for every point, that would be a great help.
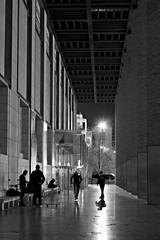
x: 138, y: 106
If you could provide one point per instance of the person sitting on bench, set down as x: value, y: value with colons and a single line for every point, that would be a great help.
x: 51, y: 184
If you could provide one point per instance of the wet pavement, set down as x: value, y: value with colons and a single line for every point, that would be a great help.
x: 124, y: 217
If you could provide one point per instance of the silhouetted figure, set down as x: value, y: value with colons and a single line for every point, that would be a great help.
x: 29, y: 188
x: 37, y: 179
x: 22, y: 182
x: 76, y: 179
x: 101, y: 183
x: 51, y: 184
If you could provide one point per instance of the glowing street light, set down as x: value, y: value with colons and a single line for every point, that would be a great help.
x: 102, y: 125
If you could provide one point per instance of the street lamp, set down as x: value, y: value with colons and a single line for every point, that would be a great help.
x: 101, y: 127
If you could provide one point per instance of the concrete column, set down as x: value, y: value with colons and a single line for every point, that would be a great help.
x: 53, y: 164
x: 33, y: 52
x: 47, y: 75
x: 142, y: 176
x: 129, y: 176
x: 33, y: 141
x: 4, y: 108
x: 153, y: 182
x: 2, y: 35
x: 39, y: 140
x: 71, y: 104
x: 123, y: 176
x: 26, y: 132
x: 67, y: 105
x: 69, y: 108
x: 49, y: 146
x: 64, y: 99
x: 22, y: 49
x: 134, y: 175
x: 44, y: 149
x: 42, y: 145
x: 13, y: 131
x: 124, y: 172
x: 75, y: 114
x: 60, y: 93
x: 53, y: 85
x: 14, y: 47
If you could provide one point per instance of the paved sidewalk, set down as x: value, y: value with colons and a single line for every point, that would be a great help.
x: 124, y: 217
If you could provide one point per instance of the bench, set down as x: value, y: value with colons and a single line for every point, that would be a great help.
x: 8, y: 201
x: 46, y: 192
x: 55, y: 190
x: 11, y: 201
x: 28, y: 197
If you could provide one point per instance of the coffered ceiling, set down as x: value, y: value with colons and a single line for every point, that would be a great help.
x: 91, y: 35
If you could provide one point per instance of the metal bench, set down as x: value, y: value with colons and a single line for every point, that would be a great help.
x: 8, y: 201
x: 55, y: 190
x: 46, y: 192
x: 28, y: 197
x: 11, y: 201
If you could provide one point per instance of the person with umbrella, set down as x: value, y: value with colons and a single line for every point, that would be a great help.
x: 101, y: 183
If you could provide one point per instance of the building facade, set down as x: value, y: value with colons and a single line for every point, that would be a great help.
x: 36, y: 97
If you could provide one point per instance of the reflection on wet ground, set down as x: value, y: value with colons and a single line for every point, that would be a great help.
x: 124, y: 217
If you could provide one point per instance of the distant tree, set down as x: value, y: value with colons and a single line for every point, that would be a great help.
x: 107, y: 159
x: 93, y: 160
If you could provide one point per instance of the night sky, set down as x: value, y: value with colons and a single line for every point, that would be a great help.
x: 96, y: 112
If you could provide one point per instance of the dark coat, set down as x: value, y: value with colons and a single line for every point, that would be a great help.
x: 37, y: 178
x: 22, y: 182
x: 77, y: 178
x: 51, y: 184
x: 101, y: 180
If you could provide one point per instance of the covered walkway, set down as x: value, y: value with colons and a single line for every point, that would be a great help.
x: 124, y: 217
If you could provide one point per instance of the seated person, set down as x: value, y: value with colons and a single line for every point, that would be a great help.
x: 51, y: 184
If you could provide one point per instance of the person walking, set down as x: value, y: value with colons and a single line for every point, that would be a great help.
x: 101, y: 183
x: 22, y: 182
x: 76, y: 179
x: 37, y: 179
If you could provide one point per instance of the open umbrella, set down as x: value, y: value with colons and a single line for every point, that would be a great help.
x: 108, y: 176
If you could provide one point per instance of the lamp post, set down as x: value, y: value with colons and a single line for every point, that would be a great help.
x: 101, y: 127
